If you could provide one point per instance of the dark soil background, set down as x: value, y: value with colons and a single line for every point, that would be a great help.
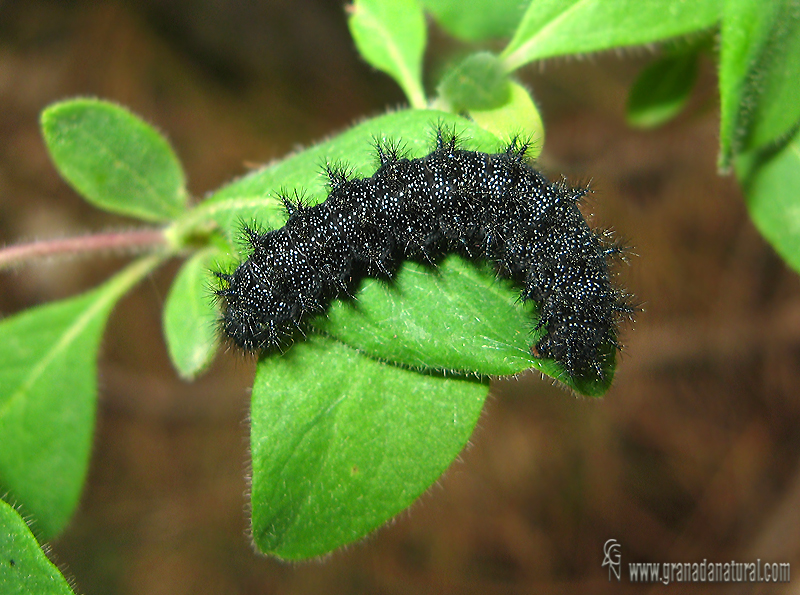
x: 692, y: 455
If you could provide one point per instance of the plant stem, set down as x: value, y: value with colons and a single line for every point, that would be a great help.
x: 140, y: 240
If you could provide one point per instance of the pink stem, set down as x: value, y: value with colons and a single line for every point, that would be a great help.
x: 128, y: 241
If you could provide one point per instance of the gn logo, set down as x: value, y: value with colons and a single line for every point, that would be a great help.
x: 612, y: 558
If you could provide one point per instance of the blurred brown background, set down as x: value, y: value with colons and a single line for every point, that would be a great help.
x: 692, y: 455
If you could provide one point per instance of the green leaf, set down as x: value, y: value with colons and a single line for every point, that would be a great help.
x: 458, y: 317
x: 477, y: 82
x: 391, y: 37
x: 191, y: 315
x: 558, y: 27
x: 771, y: 183
x: 48, y: 394
x: 341, y: 443
x: 115, y: 160
x: 662, y: 90
x: 479, y: 20
x: 759, y: 74
x: 447, y: 319
x: 519, y: 116
x: 24, y: 569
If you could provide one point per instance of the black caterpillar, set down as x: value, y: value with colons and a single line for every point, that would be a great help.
x: 495, y: 206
